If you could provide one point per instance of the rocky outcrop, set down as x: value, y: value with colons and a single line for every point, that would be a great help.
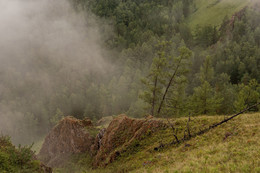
x: 120, y: 133
x: 68, y: 137
x: 72, y: 136
x: 238, y: 15
x: 229, y: 25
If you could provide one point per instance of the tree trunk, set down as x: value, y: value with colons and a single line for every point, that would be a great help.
x: 168, y: 87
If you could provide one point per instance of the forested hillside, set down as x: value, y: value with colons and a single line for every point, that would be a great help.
x: 158, y: 57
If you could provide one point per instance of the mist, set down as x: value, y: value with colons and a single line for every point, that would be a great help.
x: 46, y: 47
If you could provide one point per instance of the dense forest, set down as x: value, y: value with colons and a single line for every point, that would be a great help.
x: 157, y: 64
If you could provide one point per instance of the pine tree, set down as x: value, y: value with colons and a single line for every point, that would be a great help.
x: 227, y: 91
x: 155, y: 79
x: 175, y: 80
x: 57, y: 117
x: 204, y: 99
x: 248, y: 95
x: 167, y: 76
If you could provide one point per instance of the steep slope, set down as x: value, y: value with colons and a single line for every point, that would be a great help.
x: 232, y: 147
x: 73, y: 137
x: 212, y: 12
x: 121, y: 134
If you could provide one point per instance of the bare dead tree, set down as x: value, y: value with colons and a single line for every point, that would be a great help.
x: 174, y: 130
x: 188, y: 128
x: 154, y: 95
x: 224, y: 121
x: 201, y: 132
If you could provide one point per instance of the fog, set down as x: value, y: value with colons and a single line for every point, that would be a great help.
x: 45, y: 45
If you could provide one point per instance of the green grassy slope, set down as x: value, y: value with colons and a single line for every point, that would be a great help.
x: 231, y: 147
x: 213, y: 11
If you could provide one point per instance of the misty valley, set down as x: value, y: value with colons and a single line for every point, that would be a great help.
x: 129, y: 86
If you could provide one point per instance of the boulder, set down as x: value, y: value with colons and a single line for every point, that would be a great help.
x: 68, y: 137
x: 120, y: 133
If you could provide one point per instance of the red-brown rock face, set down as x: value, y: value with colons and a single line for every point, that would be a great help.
x: 68, y: 137
x: 120, y: 132
x: 71, y: 136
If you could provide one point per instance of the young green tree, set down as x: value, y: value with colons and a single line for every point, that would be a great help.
x: 206, y: 35
x: 204, y: 99
x: 177, y: 70
x: 227, y: 91
x: 166, y: 76
x: 257, y: 36
x: 155, y: 79
x: 57, y: 117
x: 248, y: 95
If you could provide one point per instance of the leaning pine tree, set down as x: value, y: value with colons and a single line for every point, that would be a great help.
x: 166, y: 81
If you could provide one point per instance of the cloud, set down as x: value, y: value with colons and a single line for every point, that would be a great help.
x: 44, y: 45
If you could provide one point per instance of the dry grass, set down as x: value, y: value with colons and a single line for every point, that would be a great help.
x: 232, y: 147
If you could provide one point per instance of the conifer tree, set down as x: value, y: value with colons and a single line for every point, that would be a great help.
x: 248, y: 95
x: 175, y: 77
x: 166, y: 78
x: 204, y: 99
x: 155, y: 79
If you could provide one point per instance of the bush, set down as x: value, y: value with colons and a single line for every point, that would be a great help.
x: 14, y: 159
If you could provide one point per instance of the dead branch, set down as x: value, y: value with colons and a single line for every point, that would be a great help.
x: 224, y: 121
x: 169, y: 85
x: 188, y: 128
x: 174, y: 131
x: 201, y: 132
